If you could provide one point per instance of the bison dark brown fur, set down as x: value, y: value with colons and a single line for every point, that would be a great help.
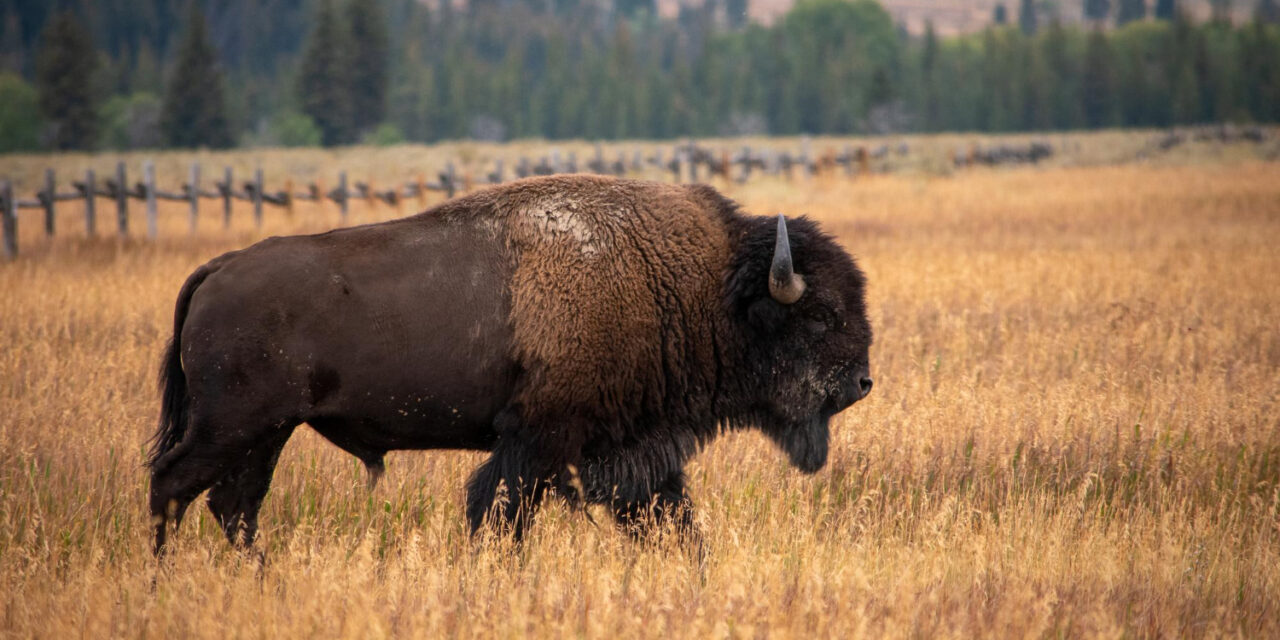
x: 592, y: 333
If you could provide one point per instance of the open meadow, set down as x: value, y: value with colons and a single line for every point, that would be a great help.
x: 1075, y: 431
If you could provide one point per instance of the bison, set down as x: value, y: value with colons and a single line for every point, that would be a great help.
x: 591, y: 333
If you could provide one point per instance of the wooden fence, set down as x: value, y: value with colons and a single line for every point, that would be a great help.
x: 116, y: 190
x: 687, y: 161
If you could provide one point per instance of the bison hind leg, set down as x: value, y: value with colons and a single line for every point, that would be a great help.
x: 204, y: 457
x: 237, y: 498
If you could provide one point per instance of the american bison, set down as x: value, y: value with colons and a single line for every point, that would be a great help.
x: 592, y: 333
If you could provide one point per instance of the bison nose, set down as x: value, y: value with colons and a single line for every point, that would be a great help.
x: 865, y: 385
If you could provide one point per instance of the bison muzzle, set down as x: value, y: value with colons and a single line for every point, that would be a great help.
x: 592, y: 333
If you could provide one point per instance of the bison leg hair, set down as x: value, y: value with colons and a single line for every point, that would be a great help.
x: 512, y: 471
x: 525, y: 463
x: 236, y: 499
x: 668, y: 504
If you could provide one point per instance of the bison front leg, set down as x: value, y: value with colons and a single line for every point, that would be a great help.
x: 509, y: 487
x: 667, y: 505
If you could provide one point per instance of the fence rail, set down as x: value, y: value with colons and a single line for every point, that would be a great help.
x: 687, y: 161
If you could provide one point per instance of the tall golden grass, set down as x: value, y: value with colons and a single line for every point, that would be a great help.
x: 1074, y: 432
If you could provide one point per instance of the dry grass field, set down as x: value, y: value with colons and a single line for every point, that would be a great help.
x: 1073, y: 432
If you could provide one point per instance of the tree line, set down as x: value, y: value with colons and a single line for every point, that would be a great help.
x: 334, y: 72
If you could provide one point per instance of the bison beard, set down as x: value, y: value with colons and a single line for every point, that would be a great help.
x: 805, y: 445
x: 591, y: 333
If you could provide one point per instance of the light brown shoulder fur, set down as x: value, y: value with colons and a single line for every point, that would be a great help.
x: 616, y: 284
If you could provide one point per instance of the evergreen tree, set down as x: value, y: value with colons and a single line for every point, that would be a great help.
x: 881, y: 90
x: 1221, y: 10
x: 992, y: 103
x: 736, y: 12
x: 1131, y: 10
x: 1027, y: 17
x: 146, y: 74
x: 1095, y: 82
x: 1000, y: 15
x: 636, y: 8
x: 929, y: 89
x: 194, y: 112
x: 1267, y: 11
x: 1166, y: 9
x: 1186, y: 96
x: 1063, y: 74
x: 368, y: 63
x: 1097, y: 10
x: 19, y: 115
x: 1261, y: 48
x: 1036, y: 89
x: 323, y: 92
x: 65, y: 68
x: 12, y: 50
x: 1202, y: 64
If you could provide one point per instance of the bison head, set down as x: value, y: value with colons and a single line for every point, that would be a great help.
x: 798, y: 300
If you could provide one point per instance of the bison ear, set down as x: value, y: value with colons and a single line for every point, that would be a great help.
x: 785, y: 285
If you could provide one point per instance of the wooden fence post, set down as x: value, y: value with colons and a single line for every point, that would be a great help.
x: 10, y: 223
x: 149, y: 179
x: 257, y: 198
x: 90, y: 195
x: 194, y: 193
x: 806, y: 156
x: 691, y: 156
x: 342, y: 195
x: 122, y: 200
x: 746, y: 164
x: 226, y: 188
x: 48, y: 198
x: 449, y: 179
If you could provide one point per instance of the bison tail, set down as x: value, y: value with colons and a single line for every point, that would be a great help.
x: 174, y: 401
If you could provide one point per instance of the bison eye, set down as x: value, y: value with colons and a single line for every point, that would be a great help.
x: 827, y: 318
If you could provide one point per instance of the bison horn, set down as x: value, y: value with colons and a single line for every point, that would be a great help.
x: 785, y: 285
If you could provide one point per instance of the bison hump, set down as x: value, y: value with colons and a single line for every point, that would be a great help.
x: 614, y: 293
